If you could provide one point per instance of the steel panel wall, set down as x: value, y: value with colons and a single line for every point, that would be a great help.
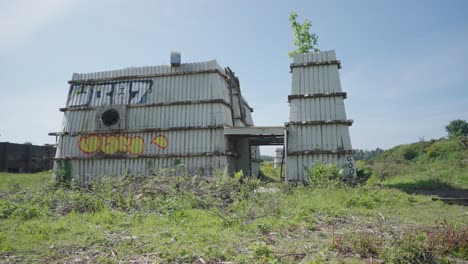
x: 84, y: 171
x: 318, y: 137
x: 169, y: 116
x: 318, y: 129
x: 146, y: 143
x: 182, y: 108
x: 315, y: 109
x: 150, y: 70
x: 295, y: 164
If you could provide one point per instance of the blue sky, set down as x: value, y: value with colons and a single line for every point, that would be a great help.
x: 404, y: 62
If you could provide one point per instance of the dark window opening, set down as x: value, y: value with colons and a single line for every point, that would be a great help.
x: 110, y: 117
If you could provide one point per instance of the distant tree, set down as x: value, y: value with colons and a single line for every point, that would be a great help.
x: 457, y: 128
x: 367, y: 154
x: 303, y: 39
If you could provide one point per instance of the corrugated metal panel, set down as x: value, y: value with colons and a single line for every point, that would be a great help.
x: 150, y: 70
x: 278, y: 157
x: 152, y: 143
x: 202, y: 86
x: 296, y: 164
x: 182, y: 103
x: 156, y: 117
x: 322, y: 137
x: 317, y: 115
x: 315, y: 109
x: 84, y: 171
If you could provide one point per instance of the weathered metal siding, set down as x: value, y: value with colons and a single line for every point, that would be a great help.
x: 278, y: 158
x: 295, y: 164
x: 84, y: 171
x: 169, y: 115
x: 318, y: 128
x: 163, y: 117
x: 196, y: 141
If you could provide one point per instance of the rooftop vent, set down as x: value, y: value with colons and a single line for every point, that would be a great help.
x: 175, y: 58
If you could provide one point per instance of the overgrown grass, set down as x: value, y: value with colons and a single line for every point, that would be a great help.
x: 436, y: 164
x: 17, y: 180
x: 185, y: 218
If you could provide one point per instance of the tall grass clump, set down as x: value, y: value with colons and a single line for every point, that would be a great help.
x: 324, y: 175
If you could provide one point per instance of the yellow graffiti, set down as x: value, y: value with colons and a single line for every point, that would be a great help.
x: 136, y: 145
x: 89, y: 144
x: 160, y: 141
x: 111, y: 144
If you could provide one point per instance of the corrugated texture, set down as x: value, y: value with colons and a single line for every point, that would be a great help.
x: 318, y: 137
x: 297, y: 164
x: 84, y: 171
x: 153, y: 143
x: 312, y: 80
x: 315, y: 109
x: 183, y: 103
x: 155, y: 117
x: 150, y: 70
x: 317, y: 96
x: 166, y: 89
x: 278, y: 157
x: 322, y: 56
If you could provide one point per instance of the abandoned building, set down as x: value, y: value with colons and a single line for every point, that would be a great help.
x: 25, y: 158
x: 142, y: 119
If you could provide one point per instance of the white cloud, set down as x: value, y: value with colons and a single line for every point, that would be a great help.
x: 20, y: 18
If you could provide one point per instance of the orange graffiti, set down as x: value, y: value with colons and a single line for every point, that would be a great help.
x: 111, y: 144
x: 160, y: 141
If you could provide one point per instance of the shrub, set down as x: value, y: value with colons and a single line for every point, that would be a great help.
x: 323, y: 175
x: 409, y: 152
x: 7, y: 209
x: 444, y: 148
x: 84, y: 202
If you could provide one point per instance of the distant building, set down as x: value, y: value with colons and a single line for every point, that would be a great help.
x: 25, y: 158
x: 278, y: 158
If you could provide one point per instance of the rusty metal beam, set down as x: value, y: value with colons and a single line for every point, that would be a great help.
x: 154, y: 156
x: 126, y: 131
x: 320, y: 151
x: 211, y: 101
x: 317, y: 95
x: 348, y: 122
x: 316, y: 63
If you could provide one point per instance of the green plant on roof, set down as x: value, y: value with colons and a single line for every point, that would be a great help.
x: 304, y: 40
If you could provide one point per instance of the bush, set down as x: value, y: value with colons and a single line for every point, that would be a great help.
x: 23, y: 212
x: 7, y: 209
x: 82, y: 202
x: 323, y: 175
x: 409, y: 152
x: 444, y: 148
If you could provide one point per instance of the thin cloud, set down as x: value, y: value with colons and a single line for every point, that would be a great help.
x: 21, y: 18
x: 407, y: 97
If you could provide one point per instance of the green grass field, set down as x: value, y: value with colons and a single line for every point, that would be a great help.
x: 185, y: 219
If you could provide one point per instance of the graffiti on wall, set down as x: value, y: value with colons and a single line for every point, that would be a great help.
x: 112, y: 144
x: 110, y: 93
x: 350, y: 165
x: 160, y: 141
